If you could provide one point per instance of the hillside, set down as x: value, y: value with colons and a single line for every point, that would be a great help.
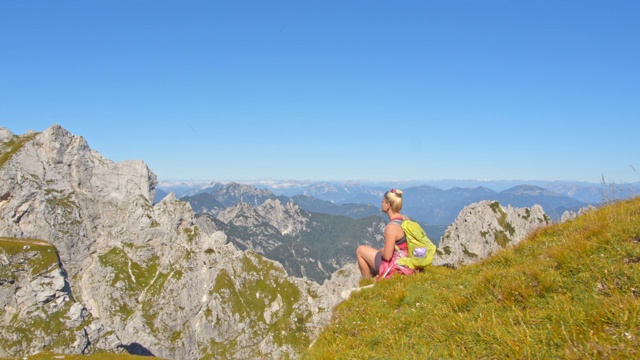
x: 570, y: 290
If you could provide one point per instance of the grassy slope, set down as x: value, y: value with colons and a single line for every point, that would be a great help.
x: 47, y: 254
x: 571, y: 290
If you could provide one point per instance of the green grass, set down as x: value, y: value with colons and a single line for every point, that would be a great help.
x: 46, y: 258
x: 14, y: 145
x: 570, y: 291
x: 137, y: 278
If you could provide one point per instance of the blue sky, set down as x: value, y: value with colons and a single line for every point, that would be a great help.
x: 333, y: 90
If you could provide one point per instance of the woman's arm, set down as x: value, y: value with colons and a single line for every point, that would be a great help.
x: 391, y: 233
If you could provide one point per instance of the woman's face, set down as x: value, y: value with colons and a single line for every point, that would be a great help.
x: 384, y: 207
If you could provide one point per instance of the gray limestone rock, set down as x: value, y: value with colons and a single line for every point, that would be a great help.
x: 136, y: 276
x: 38, y: 310
x: 286, y: 218
x: 484, y: 228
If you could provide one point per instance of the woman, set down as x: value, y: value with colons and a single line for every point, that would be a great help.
x: 381, y: 262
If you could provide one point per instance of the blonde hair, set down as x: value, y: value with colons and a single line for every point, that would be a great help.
x: 394, y: 197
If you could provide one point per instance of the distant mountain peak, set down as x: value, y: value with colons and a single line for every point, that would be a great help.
x: 531, y: 190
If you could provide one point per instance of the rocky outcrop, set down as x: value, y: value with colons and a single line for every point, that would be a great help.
x: 287, y: 218
x: 243, y: 215
x: 571, y: 215
x: 38, y: 310
x: 483, y: 228
x: 57, y: 188
x: 144, y: 277
x: 284, y: 219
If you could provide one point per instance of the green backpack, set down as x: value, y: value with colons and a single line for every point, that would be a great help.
x: 421, y: 249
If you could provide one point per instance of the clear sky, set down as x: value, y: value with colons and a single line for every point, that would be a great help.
x: 333, y: 90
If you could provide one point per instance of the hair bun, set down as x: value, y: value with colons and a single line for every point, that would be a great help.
x: 398, y: 192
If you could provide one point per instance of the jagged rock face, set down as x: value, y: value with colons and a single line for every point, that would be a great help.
x: 286, y: 219
x: 485, y: 227
x: 255, y: 233
x: 242, y: 214
x: 208, y: 224
x: 35, y: 297
x: 234, y: 193
x: 5, y: 136
x: 156, y: 281
x: 55, y: 187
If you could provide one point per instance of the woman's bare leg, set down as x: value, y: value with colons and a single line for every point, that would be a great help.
x: 366, y: 256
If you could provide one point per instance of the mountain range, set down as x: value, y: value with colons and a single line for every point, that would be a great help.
x: 340, y: 192
x: 427, y: 204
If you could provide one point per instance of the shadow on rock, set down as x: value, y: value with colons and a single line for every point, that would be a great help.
x: 137, y: 349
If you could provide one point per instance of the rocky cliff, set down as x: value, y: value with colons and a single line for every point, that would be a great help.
x: 485, y: 227
x: 136, y: 276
